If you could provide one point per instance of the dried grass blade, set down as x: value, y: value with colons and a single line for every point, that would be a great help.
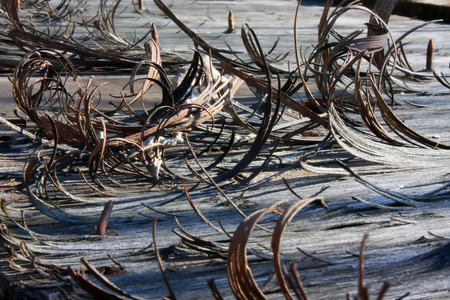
x: 265, y: 128
x: 367, y: 113
x: 160, y: 263
x: 363, y: 293
x: 200, y: 244
x: 55, y: 213
x: 214, y: 289
x: 213, y: 182
x: 280, y: 226
x: 442, y: 79
x: 396, y: 123
x: 285, y: 99
x: 383, y: 291
x: 239, y: 274
x: 374, y: 150
x: 93, y: 289
x: 199, y: 213
x: 295, y: 283
x: 397, y: 197
x: 376, y: 205
x: 106, y: 281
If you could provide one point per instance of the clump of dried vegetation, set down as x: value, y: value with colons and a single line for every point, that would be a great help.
x: 182, y: 134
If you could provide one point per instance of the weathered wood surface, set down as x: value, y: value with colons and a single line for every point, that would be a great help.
x: 401, y: 239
